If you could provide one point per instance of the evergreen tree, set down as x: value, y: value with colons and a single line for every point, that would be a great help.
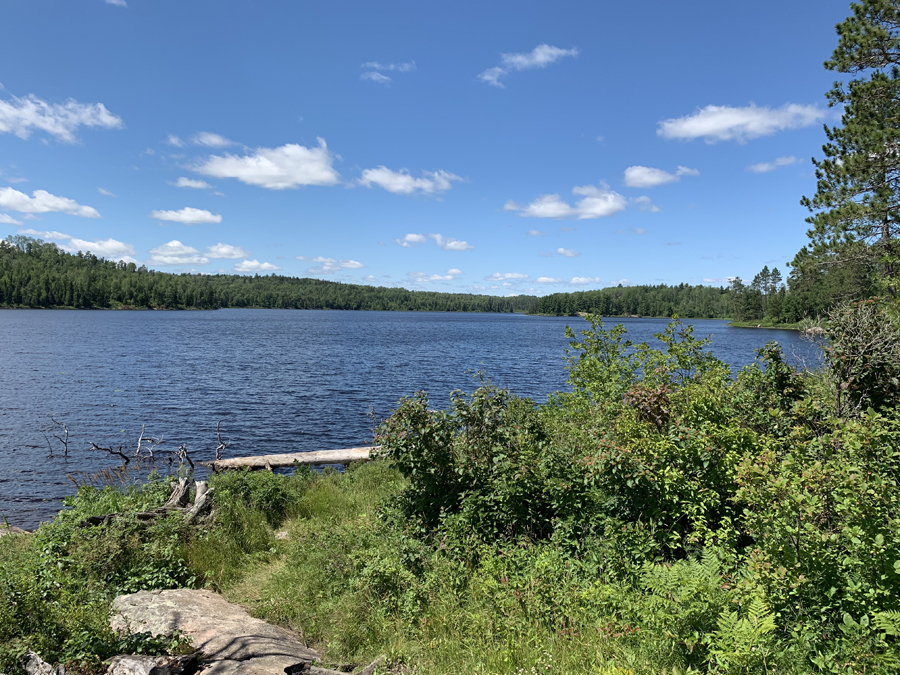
x: 855, y: 207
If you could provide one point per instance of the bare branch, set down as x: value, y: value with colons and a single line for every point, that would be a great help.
x: 118, y: 452
x: 222, y: 444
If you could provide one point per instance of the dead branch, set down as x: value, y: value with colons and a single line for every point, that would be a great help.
x: 183, y: 456
x: 178, y: 502
x: 125, y: 458
x: 221, y: 444
x: 64, y: 439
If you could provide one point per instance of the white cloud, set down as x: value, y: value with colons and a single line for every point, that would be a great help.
x: 288, y: 166
x: 117, y: 3
x: 45, y: 234
x: 408, y: 67
x: 446, y: 243
x: 110, y: 249
x: 221, y: 250
x: 103, y: 248
x: 540, y: 57
x: 43, y: 202
x: 411, y: 239
x: 646, y: 177
x: 451, y: 244
x: 717, y: 280
x: 211, y: 140
x: 584, y: 281
x: 255, y: 266
x: 7, y: 219
x: 176, y: 253
x: 173, y: 140
x: 505, y: 276
x: 22, y: 116
x: 548, y: 280
x: 330, y: 265
x: 646, y: 204
x: 532, y: 233
x: 102, y: 191
x: 376, y: 77
x: 188, y: 215
x: 596, y: 203
x: 727, y: 123
x: 401, y: 183
x: 568, y: 252
x: 183, y: 182
x: 766, y: 167
x: 422, y: 278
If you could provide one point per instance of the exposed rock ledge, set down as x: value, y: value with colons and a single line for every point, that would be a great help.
x: 232, y: 641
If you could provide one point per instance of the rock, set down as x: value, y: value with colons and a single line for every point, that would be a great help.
x: 138, y: 664
x: 283, y: 534
x: 35, y: 665
x: 11, y: 529
x: 131, y: 664
x: 232, y: 642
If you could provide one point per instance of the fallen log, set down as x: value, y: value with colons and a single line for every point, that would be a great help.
x: 345, y: 456
x: 178, y: 502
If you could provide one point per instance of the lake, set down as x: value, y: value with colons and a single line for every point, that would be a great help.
x: 278, y: 380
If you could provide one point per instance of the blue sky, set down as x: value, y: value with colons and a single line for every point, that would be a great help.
x: 505, y: 147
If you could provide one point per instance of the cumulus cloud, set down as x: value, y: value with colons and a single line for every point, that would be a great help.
x: 407, y: 67
x: 105, y: 192
x: 568, y: 252
x: 540, y: 57
x: 255, y: 266
x: 727, y: 123
x: 7, y: 219
x: 111, y: 249
x: 22, y: 116
x: 548, y: 280
x: 596, y: 202
x: 409, y: 240
x: 766, y: 167
x: 531, y: 233
x: 646, y: 177
x: 211, y: 140
x: 188, y: 215
x: 422, y: 278
x: 584, y: 281
x: 288, y: 166
x: 446, y: 243
x: 196, y: 184
x: 174, y: 141
x: 505, y: 276
x: 117, y: 3
x: 646, y: 204
x: 402, y: 183
x: 451, y: 244
x: 330, y: 265
x: 42, y: 201
x: 376, y: 77
x: 718, y: 280
x: 176, y: 253
x: 226, y: 251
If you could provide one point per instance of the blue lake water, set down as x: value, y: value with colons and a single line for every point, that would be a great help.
x: 279, y: 380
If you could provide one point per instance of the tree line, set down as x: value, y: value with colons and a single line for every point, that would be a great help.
x: 36, y: 274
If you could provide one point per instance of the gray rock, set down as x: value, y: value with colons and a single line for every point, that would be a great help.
x: 35, y: 665
x: 11, y: 529
x: 232, y: 642
x: 132, y: 664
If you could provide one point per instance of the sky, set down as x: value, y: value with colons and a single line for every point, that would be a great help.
x: 501, y: 148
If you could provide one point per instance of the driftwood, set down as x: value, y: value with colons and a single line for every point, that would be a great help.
x: 178, y: 502
x: 345, y: 456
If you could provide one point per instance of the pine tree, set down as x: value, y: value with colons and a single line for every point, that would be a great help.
x: 855, y: 208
